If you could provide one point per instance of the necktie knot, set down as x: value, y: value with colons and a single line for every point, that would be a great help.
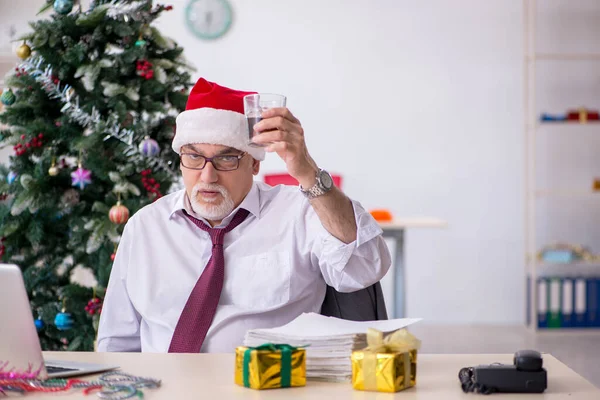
x: 218, y: 234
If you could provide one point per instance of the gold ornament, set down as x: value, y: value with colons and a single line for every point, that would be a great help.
x: 23, y: 51
x: 53, y: 170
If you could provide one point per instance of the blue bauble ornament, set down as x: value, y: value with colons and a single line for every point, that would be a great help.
x: 63, y: 6
x: 11, y: 177
x: 39, y: 324
x: 149, y: 147
x: 8, y: 98
x: 63, y: 321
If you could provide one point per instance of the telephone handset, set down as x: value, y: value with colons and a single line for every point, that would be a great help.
x: 526, y: 375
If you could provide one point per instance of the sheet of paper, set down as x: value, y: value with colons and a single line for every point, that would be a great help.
x: 313, y: 325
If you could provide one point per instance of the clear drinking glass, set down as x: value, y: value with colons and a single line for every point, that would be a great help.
x: 254, y: 105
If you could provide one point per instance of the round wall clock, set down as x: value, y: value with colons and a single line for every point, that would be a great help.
x: 208, y: 19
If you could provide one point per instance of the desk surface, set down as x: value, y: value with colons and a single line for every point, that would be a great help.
x: 425, y: 222
x: 199, y: 376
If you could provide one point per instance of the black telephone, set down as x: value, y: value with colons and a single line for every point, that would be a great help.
x: 526, y: 375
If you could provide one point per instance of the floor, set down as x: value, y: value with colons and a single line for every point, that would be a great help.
x: 579, y: 350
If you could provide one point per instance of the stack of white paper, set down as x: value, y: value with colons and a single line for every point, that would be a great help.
x: 330, y: 341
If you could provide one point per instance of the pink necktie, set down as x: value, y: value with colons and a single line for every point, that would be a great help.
x: 199, y: 311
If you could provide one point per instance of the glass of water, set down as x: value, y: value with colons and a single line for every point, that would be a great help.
x: 254, y: 105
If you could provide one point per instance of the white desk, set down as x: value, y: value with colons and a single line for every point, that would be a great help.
x: 395, y: 229
x: 210, y: 376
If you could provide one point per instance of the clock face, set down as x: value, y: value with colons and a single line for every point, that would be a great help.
x: 208, y: 19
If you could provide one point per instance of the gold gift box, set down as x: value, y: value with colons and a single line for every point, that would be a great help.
x: 386, y: 365
x: 390, y: 371
x: 263, y: 367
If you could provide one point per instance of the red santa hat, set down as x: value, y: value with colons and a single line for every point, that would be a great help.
x: 215, y: 115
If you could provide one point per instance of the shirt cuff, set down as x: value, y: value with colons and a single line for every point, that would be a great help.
x: 366, y: 230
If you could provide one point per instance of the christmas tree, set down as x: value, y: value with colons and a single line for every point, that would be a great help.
x: 90, y: 113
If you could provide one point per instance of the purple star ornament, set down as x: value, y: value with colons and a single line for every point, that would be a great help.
x: 81, y: 177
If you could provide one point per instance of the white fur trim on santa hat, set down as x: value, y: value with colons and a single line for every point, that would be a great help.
x: 213, y: 126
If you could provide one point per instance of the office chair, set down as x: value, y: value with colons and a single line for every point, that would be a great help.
x: 364, y: 305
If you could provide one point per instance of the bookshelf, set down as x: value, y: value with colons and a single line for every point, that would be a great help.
x: 554, y: 290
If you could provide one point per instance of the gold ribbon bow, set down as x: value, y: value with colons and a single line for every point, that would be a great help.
x: 401, y: 341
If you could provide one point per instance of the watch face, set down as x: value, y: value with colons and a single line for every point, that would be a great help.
x: 326, y: 180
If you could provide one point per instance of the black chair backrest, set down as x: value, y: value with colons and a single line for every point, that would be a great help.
x: 363, y: 305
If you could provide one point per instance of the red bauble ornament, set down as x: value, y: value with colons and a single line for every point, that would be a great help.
x: 118, y: 214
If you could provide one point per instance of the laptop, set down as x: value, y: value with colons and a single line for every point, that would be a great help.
x: 19, y: 342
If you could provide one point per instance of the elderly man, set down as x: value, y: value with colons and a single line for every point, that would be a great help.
x: 198, y: 268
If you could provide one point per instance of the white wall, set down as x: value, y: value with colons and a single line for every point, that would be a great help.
x: 419, y: 106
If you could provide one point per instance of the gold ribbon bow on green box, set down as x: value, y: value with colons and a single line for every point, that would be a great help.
x: 270, y: 366
x: 387, y: 364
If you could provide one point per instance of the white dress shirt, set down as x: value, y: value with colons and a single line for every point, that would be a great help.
x: 277, y: 265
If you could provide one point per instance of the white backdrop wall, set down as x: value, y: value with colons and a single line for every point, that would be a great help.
x: 417, y: 104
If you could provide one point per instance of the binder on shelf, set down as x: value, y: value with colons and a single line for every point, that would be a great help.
x: 592, y: 303
x: 598, y: 301
x: 580, y: 303
x: 542, y: 303
x: 554, y: 303
x: 568, y: 302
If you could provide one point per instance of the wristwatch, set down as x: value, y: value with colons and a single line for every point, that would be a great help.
x: 323, y: 185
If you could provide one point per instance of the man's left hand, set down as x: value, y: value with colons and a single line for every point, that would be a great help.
x: 282, y: 133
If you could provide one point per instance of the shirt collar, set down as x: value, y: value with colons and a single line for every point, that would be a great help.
x: 251, y: 203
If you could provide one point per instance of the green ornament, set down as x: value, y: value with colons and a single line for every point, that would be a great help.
x: 8, y: 98
x: 140, y: 43
x: 63, y: 7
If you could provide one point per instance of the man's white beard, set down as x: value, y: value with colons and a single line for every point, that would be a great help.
x: 211, y: 212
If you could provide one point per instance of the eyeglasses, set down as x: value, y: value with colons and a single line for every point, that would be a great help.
x: 221, y: 163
